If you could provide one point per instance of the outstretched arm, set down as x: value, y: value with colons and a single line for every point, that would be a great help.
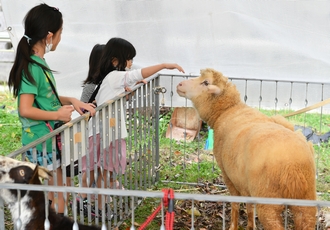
x: 148, y: 71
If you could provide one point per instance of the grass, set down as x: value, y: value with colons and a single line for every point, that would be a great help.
x: 10, y: 136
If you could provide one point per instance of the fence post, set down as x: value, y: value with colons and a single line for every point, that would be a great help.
x: 2, y: 215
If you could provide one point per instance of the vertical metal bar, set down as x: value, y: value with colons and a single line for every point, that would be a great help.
x: 286, y: 217
x: 81, y: 141
x: 290, y: 99
x: 148, y: 134
x: 123, y: 177
x: 133, y: 213
x: 55, y: 166
x: 121, y: 115
x: 142, y: 161
x: 260, y: 95
x: 137, y: 157
x: 129, y: 145
x: 106, y: 178
x: 67, y: 137
x: 318, y: 220
x: 322, y: 145
x: 143, y: 141
x: 192, y: 215
x: 18, y: 222
x: 155, y: 99
x: 276, y: 99
x: 2, y: 214
x: 113, y: 114
x: 223, y: 216
x: 306, y: 103
x: 163, y: 215
x: 245, y: 92
x: 321, y: 113
x: 185, y: 148
x: 254, y: 215
x: 101, y: 134
x: 116, y: 114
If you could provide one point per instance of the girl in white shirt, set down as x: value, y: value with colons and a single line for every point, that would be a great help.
x: 117, y: 57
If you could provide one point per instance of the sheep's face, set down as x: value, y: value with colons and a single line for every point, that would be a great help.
x: 204, y: 84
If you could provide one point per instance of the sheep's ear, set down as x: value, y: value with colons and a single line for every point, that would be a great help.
x: 214, y: 89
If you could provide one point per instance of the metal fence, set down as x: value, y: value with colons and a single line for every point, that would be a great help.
x: 274, y: 96
x: 146, y: 158
x: 194, y: 199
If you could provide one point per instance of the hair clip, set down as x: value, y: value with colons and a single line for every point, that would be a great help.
x: 28, y: 39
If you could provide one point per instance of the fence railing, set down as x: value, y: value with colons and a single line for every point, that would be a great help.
x: 193, y: 199
x: 144, y: 152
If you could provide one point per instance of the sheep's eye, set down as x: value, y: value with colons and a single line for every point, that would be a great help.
x: 206, y: 83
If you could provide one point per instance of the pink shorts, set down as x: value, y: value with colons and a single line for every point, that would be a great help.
x: 120, y: 161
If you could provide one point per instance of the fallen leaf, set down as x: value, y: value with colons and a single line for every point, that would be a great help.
x: 177, y: 153
x: 195, y: 212
x: 137, y: 224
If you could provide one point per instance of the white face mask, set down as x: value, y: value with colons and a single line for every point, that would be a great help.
x: 49, y: 46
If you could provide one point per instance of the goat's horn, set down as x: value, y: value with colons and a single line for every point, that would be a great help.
x: 44, y: 173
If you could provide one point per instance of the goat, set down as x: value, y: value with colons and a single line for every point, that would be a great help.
x: 32, y: 203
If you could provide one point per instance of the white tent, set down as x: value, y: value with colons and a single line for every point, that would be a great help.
x: 250, y: 39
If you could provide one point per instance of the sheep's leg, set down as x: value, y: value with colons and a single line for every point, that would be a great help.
x: 234, y: 206
x: 234, y: 216
x: 250, y: 214
x: 304, y: 217
x: 270, y: 216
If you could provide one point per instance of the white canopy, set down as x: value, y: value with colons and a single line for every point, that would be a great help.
x: 248, y: 39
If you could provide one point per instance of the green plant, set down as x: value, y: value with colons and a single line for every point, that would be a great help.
x: 10, y: 136
x: 164, y: 122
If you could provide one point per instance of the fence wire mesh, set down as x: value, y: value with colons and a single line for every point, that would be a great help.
x: 155, y: 159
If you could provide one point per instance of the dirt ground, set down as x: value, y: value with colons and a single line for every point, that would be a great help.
x: 210, y: 215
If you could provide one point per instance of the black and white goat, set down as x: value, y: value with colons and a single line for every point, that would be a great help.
x: 32, y: 203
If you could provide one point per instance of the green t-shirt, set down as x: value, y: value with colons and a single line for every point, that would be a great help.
x: 46, y: 99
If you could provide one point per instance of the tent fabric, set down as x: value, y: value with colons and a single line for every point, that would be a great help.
x: 250, y: 39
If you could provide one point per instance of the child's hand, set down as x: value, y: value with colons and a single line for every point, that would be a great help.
x: 65, y: 113
x: 82, y: 107
x: 143, y: 81
x: 91, y: 104
x: 127, y: 89
x: 174, y: 66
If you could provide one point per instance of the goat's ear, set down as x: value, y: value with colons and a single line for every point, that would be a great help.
x: 21, y: 174
x: 214, y: 89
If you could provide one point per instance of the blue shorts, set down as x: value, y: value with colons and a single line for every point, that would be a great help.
x: 40, y: 159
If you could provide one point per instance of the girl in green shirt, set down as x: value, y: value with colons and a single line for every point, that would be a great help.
x: 32, y: 82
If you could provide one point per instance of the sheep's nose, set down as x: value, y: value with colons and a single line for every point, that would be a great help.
x: 180, y: 84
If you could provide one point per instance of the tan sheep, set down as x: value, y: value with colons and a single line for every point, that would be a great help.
x: 259, y: 156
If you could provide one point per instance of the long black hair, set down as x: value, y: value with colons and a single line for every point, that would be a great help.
x: 116, y: 48
x: 38, y: 22
x: 94, y: 62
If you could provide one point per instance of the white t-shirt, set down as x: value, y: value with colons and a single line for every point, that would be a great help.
x: 113, y: 85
